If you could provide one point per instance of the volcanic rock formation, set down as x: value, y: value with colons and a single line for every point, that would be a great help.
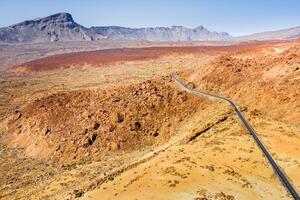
x: 58, y: 27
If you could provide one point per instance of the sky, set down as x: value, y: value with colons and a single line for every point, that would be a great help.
x: 237, y: 17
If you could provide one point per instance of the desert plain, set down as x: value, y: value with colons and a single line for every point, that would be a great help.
x: 108, y: 122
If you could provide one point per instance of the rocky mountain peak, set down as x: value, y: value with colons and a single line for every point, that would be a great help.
x: 56, y: 19
x: 57, y: 27
x: 59, y: 17
x: 199, y: 27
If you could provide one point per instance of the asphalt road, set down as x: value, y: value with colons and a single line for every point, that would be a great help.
x: 283, y: 178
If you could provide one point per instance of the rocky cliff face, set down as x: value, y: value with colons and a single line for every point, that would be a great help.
x: 61, y: 27
x: 58, y: 27
x: 174, y: 33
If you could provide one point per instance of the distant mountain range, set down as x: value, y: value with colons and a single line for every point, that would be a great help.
x: 173, y: 33
x: 62, y: 27
x: 285, y: 34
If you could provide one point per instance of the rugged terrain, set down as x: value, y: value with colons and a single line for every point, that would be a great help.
x: 173, y: 33
x: 112, y: 123
x: 264, y: 78
x: 98, y: 121
x: 56, y: 27
x: 61, y: 27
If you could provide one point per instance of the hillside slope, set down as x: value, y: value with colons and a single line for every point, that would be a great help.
x: 284, y: 34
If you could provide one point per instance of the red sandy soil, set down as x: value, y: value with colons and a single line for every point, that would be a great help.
x: 82, y: 125
x: 101, y: 57
x: 263, y: 78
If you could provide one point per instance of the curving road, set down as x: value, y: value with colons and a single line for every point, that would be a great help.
x: 283, y: 178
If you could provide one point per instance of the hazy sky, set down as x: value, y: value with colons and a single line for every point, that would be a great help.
x: 233, y: 16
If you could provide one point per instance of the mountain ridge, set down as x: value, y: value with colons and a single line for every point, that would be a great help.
x: 62, y: 27
x: 172, y: 33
